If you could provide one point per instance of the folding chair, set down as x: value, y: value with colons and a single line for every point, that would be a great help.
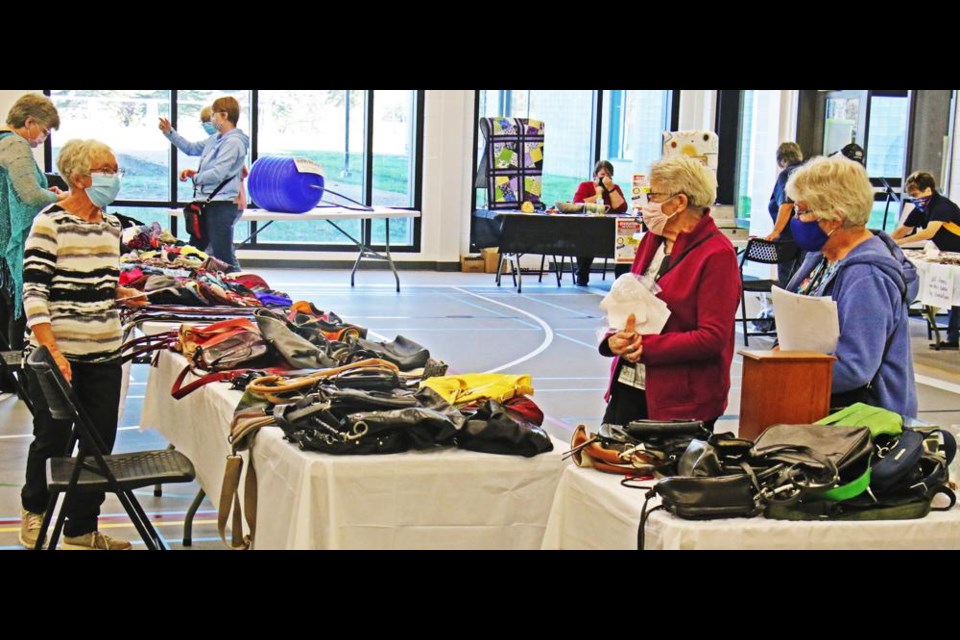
x: 765, y: 252
x: 119, y: 474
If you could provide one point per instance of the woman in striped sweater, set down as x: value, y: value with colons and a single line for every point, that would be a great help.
x: 71, y: 273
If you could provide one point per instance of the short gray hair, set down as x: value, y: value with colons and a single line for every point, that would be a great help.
x: 682, y: 174
x: 76, y: 158
x: 34, y: 105
x: 833, y: 189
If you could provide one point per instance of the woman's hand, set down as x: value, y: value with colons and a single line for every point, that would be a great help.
x: 607, y: 183
x: 186, y: 174
x: 628, y: 343
x: 165, y: 125
x: 62, y: 362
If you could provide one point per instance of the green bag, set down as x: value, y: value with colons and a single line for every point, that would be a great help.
x: 879, y: 421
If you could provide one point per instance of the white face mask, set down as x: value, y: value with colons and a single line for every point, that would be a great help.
x: 655, y: 218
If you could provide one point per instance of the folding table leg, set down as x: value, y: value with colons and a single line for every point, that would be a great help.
x: 188, y: 520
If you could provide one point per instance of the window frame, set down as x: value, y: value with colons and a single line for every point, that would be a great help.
x: 366, y: 229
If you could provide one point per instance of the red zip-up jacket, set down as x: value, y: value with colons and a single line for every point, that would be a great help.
x: 688, y: 364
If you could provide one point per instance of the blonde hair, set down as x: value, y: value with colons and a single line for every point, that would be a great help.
x: 685, y: 175
x: 833, y: 189
x: 77, y: 156
x: 34, y: 105
x: 205, y: 113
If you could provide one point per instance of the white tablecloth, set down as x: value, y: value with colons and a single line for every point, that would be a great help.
x: 939, y: 283
x: 443, y: 499
x: 592, y: 511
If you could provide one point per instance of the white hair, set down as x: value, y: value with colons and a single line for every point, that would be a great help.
x: 77, y: 156
x: 682, y: 174
x: 833, y: 188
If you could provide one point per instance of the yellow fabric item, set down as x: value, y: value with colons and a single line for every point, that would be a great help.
x: 952, y: 227
x: 470, y: 387
x: 190, y: 250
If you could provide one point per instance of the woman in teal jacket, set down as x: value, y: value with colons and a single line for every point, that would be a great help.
x: 23, y: 193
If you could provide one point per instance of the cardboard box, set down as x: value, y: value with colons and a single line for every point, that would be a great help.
x: 491, y: 258
x: 471, y: 264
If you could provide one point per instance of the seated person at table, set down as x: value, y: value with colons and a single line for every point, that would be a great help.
x: 600, y: 189
x: 848, y: 263
x: 939, y: 220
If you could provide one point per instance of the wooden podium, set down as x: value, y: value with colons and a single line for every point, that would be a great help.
x: 783, y: 387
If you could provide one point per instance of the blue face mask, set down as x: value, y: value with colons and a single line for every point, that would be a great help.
x: 922, y: 203
x: 104, y: 189
x: 209, y: 128
x: 808, y: 235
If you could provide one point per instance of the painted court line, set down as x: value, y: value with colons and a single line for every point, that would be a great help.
x: 547, y: 339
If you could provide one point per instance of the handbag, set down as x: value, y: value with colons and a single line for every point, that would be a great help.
x: 195, y: 218
x: 299, y: 352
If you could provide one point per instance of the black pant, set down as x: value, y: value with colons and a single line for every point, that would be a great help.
x: 585, y: 262
x: 97, y: 386
x: 11, y: 332
x: 12, y: 327
x: 785, y: 270
x: 629, y: 403
x: 583, y: 268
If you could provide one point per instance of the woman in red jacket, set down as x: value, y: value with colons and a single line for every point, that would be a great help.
x: 683, y: 372
x: 600, y: 189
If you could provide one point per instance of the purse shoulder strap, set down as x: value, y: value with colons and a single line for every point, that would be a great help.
x: 230, y: 501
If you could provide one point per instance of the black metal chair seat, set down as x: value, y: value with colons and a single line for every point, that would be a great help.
x: 764, y: 252
x: 132, y: 470
x: 118, y: 474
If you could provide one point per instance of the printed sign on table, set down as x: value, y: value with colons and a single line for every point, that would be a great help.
x: 627, y: 239
x: 938, y: 286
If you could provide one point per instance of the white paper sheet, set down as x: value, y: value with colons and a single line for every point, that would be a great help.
x: 938, y: 286
x: 628, y: 295
x: 806, y: 323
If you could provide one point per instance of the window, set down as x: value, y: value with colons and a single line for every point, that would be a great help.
x: 127, y: 122
x: 394, y: 172
x: 371, y: 155
x: 328, y: 127
x: 633, y: 124
x: 757, y: 169
x: 630, y: 125
x: 568, y: 155
x: 885, y: 151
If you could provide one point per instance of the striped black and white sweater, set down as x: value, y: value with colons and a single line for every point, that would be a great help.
x: 70, y: 276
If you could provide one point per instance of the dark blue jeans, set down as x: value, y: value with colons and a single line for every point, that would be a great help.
x: 953, y: 325
x: 97, y: 387
x: 222, y: 217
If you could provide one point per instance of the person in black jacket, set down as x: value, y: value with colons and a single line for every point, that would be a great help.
x: 939, y: 220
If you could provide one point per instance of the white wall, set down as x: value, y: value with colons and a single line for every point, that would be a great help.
x: 698, y: 110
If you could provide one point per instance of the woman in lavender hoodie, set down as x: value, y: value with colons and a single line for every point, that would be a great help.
x: 874, y: 361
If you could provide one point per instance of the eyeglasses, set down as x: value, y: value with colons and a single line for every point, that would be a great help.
x: 651, y: 194
x: 797, y: 212
x: 110, y: 171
